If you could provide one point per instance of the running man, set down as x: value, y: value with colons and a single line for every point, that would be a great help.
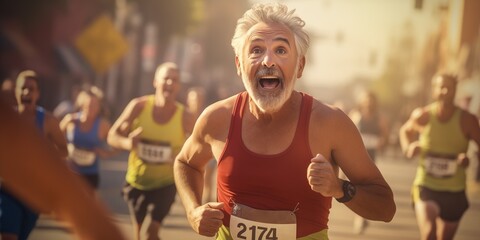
x: 17, y: 219
x: 56, y: 189
x: 86, y: 132
x: 439, y: 134
x: 153, y: 128
x: 278, y: 150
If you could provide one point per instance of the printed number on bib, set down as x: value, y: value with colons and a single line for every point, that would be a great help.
x: 154, y: 152
x: 80, y: 156
x: 252, y: 224
x: 440, y: 167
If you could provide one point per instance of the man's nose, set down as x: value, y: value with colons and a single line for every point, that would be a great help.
x: 444, y: 91
x: 268, y: 60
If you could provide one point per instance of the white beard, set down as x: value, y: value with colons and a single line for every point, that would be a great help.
x: 271, y: 102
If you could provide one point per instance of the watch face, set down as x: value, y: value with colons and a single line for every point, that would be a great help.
x: 351, y: 190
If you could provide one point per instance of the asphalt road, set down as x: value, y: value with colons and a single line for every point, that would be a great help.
x: 398, y: 173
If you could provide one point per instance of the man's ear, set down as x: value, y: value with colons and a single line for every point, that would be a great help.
x: 301, y: 66
x: 237, y: 64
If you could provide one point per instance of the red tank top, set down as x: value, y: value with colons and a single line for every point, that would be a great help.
x: 271, y: 182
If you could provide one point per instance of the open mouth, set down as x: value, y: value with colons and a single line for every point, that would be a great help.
x: 269, y: 82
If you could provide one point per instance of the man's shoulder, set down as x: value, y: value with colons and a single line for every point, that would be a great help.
x: 422, y: 113
x: 140, y: 100
x: 215, y: 119
x: 136, y: 105
x: 326, y: 118
x: 323, y: 111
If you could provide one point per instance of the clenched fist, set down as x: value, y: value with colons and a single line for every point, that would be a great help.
x: 323, y: 178
x: 207, y: 219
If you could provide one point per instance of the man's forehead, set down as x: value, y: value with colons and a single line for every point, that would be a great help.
x: 167, y: 71
x: 276, y: 31
x: 443, y: 81
x: 28, y: 81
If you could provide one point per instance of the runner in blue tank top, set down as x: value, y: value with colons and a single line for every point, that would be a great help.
x: 17, y: 220
x: 86, y: 132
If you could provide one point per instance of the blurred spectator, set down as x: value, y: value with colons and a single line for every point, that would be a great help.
x: 196, y: 100
x: 373, y: 127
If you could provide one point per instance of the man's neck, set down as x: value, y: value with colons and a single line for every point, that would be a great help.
x: 445, y: 109
x: 283, y: 113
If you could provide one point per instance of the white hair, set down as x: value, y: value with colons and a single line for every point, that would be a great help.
x: 271, y: 13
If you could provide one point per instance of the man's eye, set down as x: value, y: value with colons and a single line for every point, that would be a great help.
x: 281, y: 51
x: 256, y: 50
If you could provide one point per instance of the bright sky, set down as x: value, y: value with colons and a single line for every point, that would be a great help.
x: 365, y: 28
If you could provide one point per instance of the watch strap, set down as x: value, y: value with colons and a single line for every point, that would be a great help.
x: 348, y: 192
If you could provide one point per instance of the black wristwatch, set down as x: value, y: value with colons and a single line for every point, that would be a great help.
x: 349, y: 191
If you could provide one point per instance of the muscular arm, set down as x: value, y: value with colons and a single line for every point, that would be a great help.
x: 56, y: 188
x: 374, y: 197
x: 190, y: 164
x: 409, y: 131
x: 189, y: 169
x: 337, y: 143
x: 118, y: 135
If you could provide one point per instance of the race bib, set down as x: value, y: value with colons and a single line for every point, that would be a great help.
x: 370, y: 140
x: 80, y: 156
x: 247, y: 223
x: 440, y: 167
x: 154, y: 152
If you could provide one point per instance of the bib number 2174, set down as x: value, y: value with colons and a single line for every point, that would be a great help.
x: 245, y: 229
x: 256, y: 232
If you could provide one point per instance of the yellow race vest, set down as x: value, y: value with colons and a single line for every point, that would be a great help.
x: 150, y: 165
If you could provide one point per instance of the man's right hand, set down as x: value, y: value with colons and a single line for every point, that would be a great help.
x: 413, y: 150
x: 207, y: 219
x: 134, y: 137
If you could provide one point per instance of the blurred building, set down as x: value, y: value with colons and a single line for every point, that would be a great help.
x: 116, y: 44
x: 35, y: 34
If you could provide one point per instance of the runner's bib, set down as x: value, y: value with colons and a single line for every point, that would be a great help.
x: 154, y: 152
x: 441, y: 167
x: 247, y: 223
x: 370, y: 140
x: 80, y: 156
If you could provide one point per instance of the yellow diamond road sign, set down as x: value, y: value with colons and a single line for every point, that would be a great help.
x: 101, y: 44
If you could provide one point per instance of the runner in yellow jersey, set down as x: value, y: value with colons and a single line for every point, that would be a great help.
x: 439, y: 134
x: 153, y: 128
